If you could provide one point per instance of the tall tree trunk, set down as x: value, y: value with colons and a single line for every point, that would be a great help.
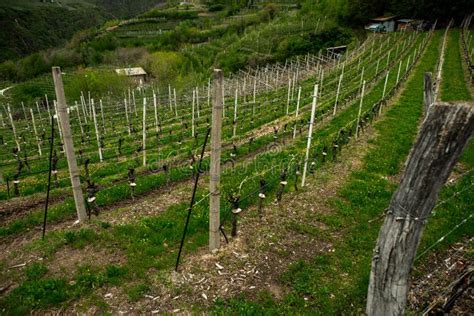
x: 441, y: 140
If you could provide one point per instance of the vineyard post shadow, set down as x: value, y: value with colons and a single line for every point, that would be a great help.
x: 215, y: 169
x: 440, y: 142
x: 68, y: 144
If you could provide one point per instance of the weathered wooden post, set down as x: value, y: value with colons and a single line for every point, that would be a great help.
x: 234, y: 132
x: 192, y: 115
x: 69, y: 145
x: 321, y: 82
x: 47, y: 105
x: 297, y: 111
x: 170, y: 98
x: 78, y: 117
x: 134, y: 104
x: 13, y: 128
x: 156, y: 112
x: 428, y: 92
x: 144, y: 132
x: 310, y: 135
x: 126, y: 116
x: 102, y: 115
x: 399, y: 70
x: 215, y: 167
x: 36, y: 133
x: 197, y: 102
x: 254, y: 90
x: 175, y: 103
x: 443, y: 136
x: 97, y: 135
x: 337, y: 93
x: 360, y: 109
x: 288, y: 98
x: 209, y: 93
x: 384, y: 90
x: 83, y: 106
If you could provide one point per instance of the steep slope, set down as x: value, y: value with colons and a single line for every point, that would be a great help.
x: 27, y: 26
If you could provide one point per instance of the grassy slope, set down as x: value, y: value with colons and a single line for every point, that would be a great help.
x: 27, y: 26
x: 337, y: 282
x: 454, y: 86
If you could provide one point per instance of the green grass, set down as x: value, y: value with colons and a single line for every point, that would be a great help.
x: 345, y: 272
x: 453, y: 85
x: 151, y: 243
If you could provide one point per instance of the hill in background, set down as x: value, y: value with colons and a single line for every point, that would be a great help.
x: 27, y: 26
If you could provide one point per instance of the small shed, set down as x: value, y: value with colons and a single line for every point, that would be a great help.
x: 405, y: 24
x: 388, y: 23
x: 337, y: 51
x: 138, y: 74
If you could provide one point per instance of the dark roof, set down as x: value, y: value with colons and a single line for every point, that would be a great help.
x: 384, y: 18
x: 406, y: 20
x: 337, y: 47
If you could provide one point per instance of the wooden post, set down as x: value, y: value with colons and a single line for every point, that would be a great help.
x: 399, y: 69
x: 23, y: 108
x: 156, y: 112
x: 384, y: 90
x: 337, y: 94
x: 144, y: 132
x: 126, y: 116
x: 254, y: 90
x: 134, y: 104
x: 209, y: 93
x: 288, y: 98
x: 90, y: 104
x: 442, y: 138
x: 297, y: 111
x: 362, y: 75
x: 69, y: 146
x: 175, y: 103
x: 428, y: 93
x: 83, y: 105
x: 223, y: 99
x: 197, y: 102
x: 215, y: 169
x: 360, y: 109
x: 47, y: 105
x: 321, y: 82
x: 58, y: 120
x: 13, y: 128
x: 94, y: 117
x: 310, y: 135
x: 78, y: 117
x: 170, y: 98
x: 235, y: 113
x: 192, y: 115
x: 36, y: 133
x: 102, y: 115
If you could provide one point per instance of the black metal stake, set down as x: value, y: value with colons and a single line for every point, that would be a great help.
x: 49, y: 177
x: 192, y: 198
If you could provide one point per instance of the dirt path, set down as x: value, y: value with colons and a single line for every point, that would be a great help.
x: 254, y: 260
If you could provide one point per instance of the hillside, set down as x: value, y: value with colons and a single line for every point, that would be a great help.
x: 27, y: 26
x: 244, y: 166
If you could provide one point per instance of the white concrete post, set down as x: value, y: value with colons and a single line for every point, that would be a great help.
x: 310, y: 134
